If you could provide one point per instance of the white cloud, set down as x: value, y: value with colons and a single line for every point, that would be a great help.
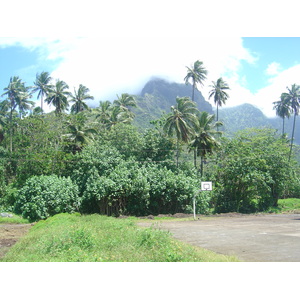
x: 273, y: 69
x: 265, y: 97
x: 110, y: 66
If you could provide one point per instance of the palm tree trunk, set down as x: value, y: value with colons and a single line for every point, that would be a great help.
x: 282, y: 126
x: 195, y: 157
x: 193, y: 95
x: 217, y: 116
x: 292, y: 136
x: 177, y: 153
x: 10, y: 132
x: 201, y: 166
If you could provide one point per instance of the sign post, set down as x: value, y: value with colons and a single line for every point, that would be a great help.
x: 205, y: 186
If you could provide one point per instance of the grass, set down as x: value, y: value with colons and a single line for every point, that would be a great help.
x: 289, y: 205
x: 95, y: 238
x: 13, y: 220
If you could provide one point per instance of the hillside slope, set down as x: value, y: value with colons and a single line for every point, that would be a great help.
x: 248, y: 116
x: 158, y: 96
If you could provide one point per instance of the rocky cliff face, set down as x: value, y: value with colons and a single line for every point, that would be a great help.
x: 167, y: 92
x: 158, y: 96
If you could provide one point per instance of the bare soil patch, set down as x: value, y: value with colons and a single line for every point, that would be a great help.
x: 10, y: 234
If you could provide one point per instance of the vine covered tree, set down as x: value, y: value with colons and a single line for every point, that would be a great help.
x: 197, y: 73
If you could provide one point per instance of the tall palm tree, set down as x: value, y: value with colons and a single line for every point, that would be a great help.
x: 292, y: 98
x: 197, y: 73
x: 78, y: 98
x: 204, y: 140
x: 116, y: 116
x: 283, y: 110
x: 17, y: 95
x: 219, y: 93
x: 42, y: 85
x: 58, y: 96
x: 104, y: 111
x: 181, y: 121
x: 124, y: 102
x: 79, y: 135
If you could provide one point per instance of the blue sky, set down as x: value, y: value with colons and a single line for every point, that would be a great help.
x: 257, y: 69
x: 285, y: 51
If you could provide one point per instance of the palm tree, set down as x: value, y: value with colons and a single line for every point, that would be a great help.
x: 197, y: 73
x: 124, y: 102
x: 116, y: 116
x: 17, y: 95
x: 219, y: 93
x: 42, y: 85
x: 292, y: 99
x: 104, y: 111
x: 109, y: 115
x: 78, y: 98
x: 79, y: 136
x: 181, y: 121
x: 283, y: 110
x: 204, y: 141
x: 58, y: 97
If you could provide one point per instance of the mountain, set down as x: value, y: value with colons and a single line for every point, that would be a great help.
x: 157, y: 97
x: 242, y: 117
x: 248, y: 116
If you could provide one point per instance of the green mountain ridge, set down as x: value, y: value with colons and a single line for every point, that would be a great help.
x: 248, y: 116
x: 157, y: 97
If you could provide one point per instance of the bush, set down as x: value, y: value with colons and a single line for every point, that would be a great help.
x: 45, y: 196
x: 253, y: 172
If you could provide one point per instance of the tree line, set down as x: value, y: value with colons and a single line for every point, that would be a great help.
x: 108, y: 166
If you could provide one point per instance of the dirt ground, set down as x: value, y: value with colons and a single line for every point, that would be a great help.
x: 251, y: 238
x: 9, y: 235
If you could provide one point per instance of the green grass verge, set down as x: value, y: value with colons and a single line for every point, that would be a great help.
x: 13, y: 220
x: 289, y: 205
x: 94, y: 238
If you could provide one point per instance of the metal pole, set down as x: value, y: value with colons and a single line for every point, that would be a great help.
x: 194, y: 206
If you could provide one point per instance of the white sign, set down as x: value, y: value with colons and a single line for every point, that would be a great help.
x: 206, y: 186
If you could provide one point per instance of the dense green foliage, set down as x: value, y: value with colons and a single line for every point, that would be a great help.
x: 113, y: 185
x: 254, y: 172
x: 94, y: 238
x: 44, y: 196
x: 97, y: 160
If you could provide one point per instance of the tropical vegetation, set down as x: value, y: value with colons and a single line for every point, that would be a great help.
x: 79, y: 158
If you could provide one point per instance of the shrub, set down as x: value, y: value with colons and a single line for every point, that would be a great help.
x: 253, y: 172
x: 44, y: 196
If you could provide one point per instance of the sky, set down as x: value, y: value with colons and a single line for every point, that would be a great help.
x: 257, y: 69
x: 116, y: 47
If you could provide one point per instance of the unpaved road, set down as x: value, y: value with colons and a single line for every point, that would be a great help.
x: 251, y: 238
x: 9, y: 235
